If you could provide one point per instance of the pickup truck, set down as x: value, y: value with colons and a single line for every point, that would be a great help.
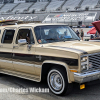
x: 50, y: 52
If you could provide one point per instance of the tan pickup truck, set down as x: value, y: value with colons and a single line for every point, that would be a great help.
x: 51, y: 52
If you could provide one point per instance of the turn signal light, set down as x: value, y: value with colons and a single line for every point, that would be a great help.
x: 73, y: 70
x: 82, y: 86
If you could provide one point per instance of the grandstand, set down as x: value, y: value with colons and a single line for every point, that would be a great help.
x: 90, y: 5
x: 50, y: 6
x: 67, y: 11
x: 1, y: 5
x: 71, y: 5
x: 54, y: 5
x: 38, y: 7
x: 22, y: 7
x: 8, y: 7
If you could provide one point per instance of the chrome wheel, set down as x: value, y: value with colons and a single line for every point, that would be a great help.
x: 56, y: 81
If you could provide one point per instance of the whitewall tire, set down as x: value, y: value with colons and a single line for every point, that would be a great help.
x: 58, y: 82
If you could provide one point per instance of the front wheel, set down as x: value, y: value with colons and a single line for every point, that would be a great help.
x: 58, y: 82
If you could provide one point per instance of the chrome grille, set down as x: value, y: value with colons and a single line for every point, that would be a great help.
x: 94, y: 61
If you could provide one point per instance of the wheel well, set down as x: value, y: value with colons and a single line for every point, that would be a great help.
x: 46, y: 68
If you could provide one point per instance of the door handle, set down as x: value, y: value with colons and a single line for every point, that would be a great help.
x: 15, y: 46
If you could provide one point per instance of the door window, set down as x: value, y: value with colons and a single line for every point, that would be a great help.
x: 8, y: 36
x: 25, y: 34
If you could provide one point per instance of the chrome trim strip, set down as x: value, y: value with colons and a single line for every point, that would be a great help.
x: 20, y: 63
x: 87, y: 62
x: 7, y: 61
x: 25, y: 64
x: 94, y: 54
x: 39, y: 66
x: 21, y: 75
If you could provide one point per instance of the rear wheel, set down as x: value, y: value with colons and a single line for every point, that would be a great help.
x: 58, y: 82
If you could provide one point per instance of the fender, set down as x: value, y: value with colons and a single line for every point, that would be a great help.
x: 59, y: 63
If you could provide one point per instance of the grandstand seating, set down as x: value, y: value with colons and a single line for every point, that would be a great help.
x: 22, y: 7
x: 37, y: 7
x: 71, y: 4
x: 8, y: 7
x: 54, y: 5
x: 1, y: 1
x: 1, y: 5
x: 89, y: 4
x: 50, y: 6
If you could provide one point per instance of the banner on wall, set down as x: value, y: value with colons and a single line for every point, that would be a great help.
x: 71, y: 17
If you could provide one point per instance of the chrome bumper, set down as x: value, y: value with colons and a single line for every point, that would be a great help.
x: 87, y: 76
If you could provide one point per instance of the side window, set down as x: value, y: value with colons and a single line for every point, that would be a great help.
x: 25, y: 34
x: 8, y: 36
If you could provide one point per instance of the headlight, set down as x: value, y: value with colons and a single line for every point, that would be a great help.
x: 84, y: 63
x: 83, y: 59
x: 84, y: 67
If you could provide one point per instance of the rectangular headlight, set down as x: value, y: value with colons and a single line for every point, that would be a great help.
x: 84, y: 67
x: 84, y: 62
x: 83, y: 59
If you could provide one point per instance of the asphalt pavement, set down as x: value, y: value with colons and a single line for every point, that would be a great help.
x: 91, y: 92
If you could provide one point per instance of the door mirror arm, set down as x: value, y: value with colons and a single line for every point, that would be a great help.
x: 29, y: 47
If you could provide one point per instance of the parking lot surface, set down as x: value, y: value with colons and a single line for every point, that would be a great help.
x: 91, y: 92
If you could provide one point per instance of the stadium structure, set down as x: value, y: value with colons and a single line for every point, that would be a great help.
x: 72, y: 12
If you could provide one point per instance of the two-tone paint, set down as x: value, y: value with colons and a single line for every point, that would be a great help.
x: 19, y: 61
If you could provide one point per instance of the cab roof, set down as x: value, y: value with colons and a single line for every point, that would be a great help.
x: 31, y: 24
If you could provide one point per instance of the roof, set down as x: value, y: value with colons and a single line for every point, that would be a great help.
x: 32, y: 24
x: 5, y: 21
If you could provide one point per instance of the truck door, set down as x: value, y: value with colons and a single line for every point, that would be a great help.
x: 23, y: 54
x: 6, y: 48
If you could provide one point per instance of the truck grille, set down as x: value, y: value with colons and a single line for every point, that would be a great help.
x: 94, y: 61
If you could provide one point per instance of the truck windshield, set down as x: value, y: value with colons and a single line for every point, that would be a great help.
x: 54, y: 33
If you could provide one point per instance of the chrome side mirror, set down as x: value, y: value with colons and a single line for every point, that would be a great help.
x: 22, y: 41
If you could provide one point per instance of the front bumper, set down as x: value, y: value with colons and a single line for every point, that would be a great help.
x: 87, y: 76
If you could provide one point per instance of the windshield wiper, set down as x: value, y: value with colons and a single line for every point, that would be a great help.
x: 51, y: 39
x: 67, y: 39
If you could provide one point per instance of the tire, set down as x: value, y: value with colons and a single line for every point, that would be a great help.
x: 58, y: 82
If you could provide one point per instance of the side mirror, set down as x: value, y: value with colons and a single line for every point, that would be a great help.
x: 22, y: 41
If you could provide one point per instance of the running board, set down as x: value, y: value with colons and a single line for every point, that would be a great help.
x: 21, y: 75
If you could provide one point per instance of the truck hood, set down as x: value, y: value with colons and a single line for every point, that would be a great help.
x: 96, y: 24
x: 77, y: 46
